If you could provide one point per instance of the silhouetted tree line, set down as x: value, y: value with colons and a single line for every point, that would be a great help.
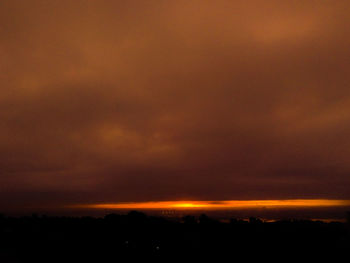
x: 136, y: 235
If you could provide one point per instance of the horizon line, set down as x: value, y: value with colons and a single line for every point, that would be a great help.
x: 218, y: 204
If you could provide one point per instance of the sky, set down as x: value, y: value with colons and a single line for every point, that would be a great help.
x: 141, y: 101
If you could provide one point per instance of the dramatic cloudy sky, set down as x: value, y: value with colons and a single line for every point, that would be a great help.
x: 110, y: 101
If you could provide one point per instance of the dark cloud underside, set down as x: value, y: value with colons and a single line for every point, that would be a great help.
x: 162, y: 100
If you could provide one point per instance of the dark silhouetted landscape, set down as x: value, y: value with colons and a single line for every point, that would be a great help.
x: 138, y: 236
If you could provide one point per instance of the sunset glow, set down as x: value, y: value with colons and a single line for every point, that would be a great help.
x: 227, y: 204
x: 104, y: 103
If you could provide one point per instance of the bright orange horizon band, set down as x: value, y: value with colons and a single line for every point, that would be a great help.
x: 228, y: 204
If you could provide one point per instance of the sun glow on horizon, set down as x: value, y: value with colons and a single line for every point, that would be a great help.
x: 227, y: 204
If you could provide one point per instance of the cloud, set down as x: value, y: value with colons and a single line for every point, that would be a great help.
x: 133, y: 101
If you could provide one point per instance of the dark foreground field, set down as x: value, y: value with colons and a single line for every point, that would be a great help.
x: 115, y: 238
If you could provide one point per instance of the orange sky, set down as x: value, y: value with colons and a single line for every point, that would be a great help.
x: 136, y: 101
x: 228, y: 204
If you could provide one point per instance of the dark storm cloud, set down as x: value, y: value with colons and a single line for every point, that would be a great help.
x: 159, y: 100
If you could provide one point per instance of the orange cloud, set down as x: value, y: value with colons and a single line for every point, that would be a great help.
x: 128, y: 101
